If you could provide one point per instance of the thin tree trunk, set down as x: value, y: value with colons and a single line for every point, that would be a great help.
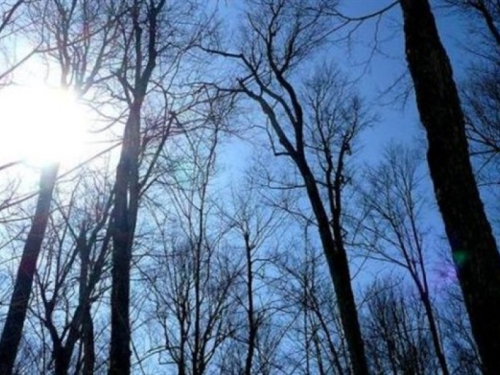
x: 196, y: 355
x: 252, y: 324
x: 469, y: 233
x: 88, y: 343
x: 87, y: 329
x: 434, y: 333
x: 339, y: 271
x: 12, y: 331
x: 333, y: 247
x: 329, y: 342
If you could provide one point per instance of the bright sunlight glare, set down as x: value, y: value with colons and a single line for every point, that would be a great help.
x: 41, y: 125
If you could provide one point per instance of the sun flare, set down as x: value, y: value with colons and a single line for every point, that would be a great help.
x: 41, y: 125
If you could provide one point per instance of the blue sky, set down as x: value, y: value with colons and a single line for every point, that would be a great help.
x: 399, y: 119
x: 378, y: 62
x: 376, y: 71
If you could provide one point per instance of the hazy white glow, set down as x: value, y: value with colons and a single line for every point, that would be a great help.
x: 41, y: 125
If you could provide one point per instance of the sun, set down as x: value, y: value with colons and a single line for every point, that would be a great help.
x: 41, y: 125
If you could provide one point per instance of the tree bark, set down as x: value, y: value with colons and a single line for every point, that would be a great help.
x: 87, y: 328
x: 469, y: 233
x: 332, y: 243
x: 338, y: 265
x: 424, y: 296
x: 252, y: 323
x: 88, y: 343
x: 13, y: 328
x: 124, y: 219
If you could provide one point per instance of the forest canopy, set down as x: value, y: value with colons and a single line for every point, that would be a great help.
x: 249, y: 187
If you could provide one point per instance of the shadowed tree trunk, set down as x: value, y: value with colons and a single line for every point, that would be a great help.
x: 144, y: 39
x: 252, y: 321
x: 280, y: 35
x: 87, y: 323
x: 13, y: 328
x: 468, y: 230
x: 327, y: 212
x: 124, y: 219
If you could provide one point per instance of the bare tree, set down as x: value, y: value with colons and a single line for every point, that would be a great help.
x: 13, y: 326
x: 314, y: 130
x: 480, y: 90
x: 394, y: 225
x: 457, y: 336
x: 153, y: 39
x: 79, y: 58
x: 140, y: 57
x: 397, y: 339
x: 487, y: 12
x: 9, y: 11
x: 77, y: 238
x: 192, y: 278
x: 255, y: 226
x: 480, y: 93
x: 468, y: 230
x: 14, y: 22
x: 309, y: 297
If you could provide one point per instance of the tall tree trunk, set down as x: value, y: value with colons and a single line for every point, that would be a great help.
x: 252, y: 323
x: 333, y: 245
x: 424, y: 296
x: 88, y: 343
x: 87, y: 329
x: 12, y: 331
x: 338, y: 265
x: 468, y: 230
x: 124, y: 220
x: 127, y: 187
x: 62, y: 359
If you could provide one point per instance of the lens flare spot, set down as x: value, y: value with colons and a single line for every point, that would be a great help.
x: 460, y: 257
